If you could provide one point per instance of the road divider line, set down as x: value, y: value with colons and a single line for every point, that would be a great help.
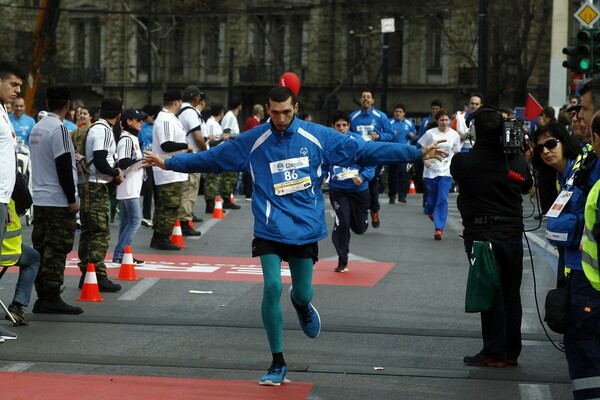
x: 139, y: 289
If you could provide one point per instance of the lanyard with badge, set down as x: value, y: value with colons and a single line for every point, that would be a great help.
x: 563, y: 197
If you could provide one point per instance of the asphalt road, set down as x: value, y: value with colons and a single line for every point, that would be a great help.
x: 394, y: 327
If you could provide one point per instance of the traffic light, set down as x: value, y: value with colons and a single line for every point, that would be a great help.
x: 596, y: 51
x: 572, y: 53
x: 584, y: 49
x: 584, y: 52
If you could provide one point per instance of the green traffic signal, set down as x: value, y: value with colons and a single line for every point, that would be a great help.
x: 584, y: 52
x: 585, y: 65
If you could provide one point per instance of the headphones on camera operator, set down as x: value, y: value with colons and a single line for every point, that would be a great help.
x: 514, y: 137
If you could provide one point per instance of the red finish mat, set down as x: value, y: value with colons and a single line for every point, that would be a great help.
x: 44, y: 386
x: 238, y: 269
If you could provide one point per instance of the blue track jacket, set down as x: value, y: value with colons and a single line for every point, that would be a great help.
x: 287, y: 169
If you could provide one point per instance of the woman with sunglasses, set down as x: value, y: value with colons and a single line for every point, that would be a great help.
x: 556, y: 148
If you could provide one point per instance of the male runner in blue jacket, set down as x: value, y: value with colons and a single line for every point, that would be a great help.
x: 288, y: 159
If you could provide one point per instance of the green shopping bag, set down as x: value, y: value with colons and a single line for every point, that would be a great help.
x: 483, y: 278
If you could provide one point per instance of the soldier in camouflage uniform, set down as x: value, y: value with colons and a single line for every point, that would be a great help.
x: 54, y: 201
x: 224, y: 182
x: 168, y: 138
x: 94, y: 191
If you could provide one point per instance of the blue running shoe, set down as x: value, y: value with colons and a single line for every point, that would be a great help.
x: 309, y: 318
x: 273, y: 377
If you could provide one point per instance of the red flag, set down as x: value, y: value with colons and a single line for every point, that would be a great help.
x: 532, y: 108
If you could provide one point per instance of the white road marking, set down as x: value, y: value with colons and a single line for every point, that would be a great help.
x: 17, y: 367
x: 139, y: 289
x: 534, y: 392
x: 205, y: 227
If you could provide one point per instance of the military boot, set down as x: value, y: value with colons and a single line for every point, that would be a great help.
x: 210, y: 206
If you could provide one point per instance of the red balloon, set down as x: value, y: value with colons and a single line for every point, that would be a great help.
x: 290, y: 80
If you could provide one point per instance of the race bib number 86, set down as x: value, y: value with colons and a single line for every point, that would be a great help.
x: 291, y: 175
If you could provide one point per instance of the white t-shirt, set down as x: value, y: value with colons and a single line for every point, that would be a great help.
x: 214, y: 128
x: 450, y: 146
x: 167, y: 128
x: 191, y: 121
x: 230, y: 121
x: 49, y: 139
x: 8, y: 165
x: 462, y: 128
x: 129, y: 147
x: 100, y: 137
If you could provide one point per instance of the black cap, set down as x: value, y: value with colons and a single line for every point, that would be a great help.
x: 172, y: 95
x: 111, y: 105
x: 576, y: 107
x: 192, y: 91
x: 58, y: 93
x: 132, y: 113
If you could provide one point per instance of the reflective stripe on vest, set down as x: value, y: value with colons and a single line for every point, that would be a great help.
x: 592, y: 382
x: 589, y: 250
x: 13, y: 239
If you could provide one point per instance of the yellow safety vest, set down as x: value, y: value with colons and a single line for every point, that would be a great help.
x: 589, y: 254
x: 13, y: 239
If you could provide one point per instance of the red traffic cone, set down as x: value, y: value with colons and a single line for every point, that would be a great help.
x: 232, y: 199
x: 177, y: 236
x: 90, y: 290
x: 218, y: 210
x: 127, y: 271
x: 412, y: 189
x: 191, y: 224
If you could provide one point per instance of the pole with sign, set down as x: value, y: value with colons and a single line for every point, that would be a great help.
x: 387, y: 26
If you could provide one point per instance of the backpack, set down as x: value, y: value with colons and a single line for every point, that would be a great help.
x: 79, y: 138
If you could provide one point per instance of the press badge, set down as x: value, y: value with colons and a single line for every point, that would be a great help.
x: 291, y: 175
x: 559, y: 204
x: 343, y: 173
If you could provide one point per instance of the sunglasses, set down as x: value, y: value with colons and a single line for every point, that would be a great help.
x: 549, y: 144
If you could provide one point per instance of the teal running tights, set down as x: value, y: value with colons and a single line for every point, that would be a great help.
x: 302, y: 292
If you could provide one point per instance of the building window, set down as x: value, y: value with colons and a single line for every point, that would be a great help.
x: 87, y: 65
x: 212, y: 37
x: 142, y: 56
x: 256, y: 39
x: 434, y: 45
x: 396, y: 49
x: 295, y: 42
x: 172, y: 48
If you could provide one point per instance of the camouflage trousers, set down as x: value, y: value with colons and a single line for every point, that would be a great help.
x: 166, y: 208
x: 53, y: 236
x: 222, y: 183
x: 95, y: 231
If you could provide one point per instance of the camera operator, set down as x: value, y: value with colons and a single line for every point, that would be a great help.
x: 490, y: 203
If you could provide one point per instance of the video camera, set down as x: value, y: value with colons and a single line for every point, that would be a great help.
x: 514, y: 137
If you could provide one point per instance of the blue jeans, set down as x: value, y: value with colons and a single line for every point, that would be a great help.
x: 29, y: 263
x: 438, y: 189
x: 131, y: 218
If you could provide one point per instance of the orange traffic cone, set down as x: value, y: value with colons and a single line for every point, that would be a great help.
x: 177, y: 236
x: 412, y: 189
x: 127, y: 271
x: 232, y: 199
x: 218, y: 210
x: 90, y: 290
x: 191, y: 224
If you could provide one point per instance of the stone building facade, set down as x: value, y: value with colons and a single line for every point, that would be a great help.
x: 239, y: 49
